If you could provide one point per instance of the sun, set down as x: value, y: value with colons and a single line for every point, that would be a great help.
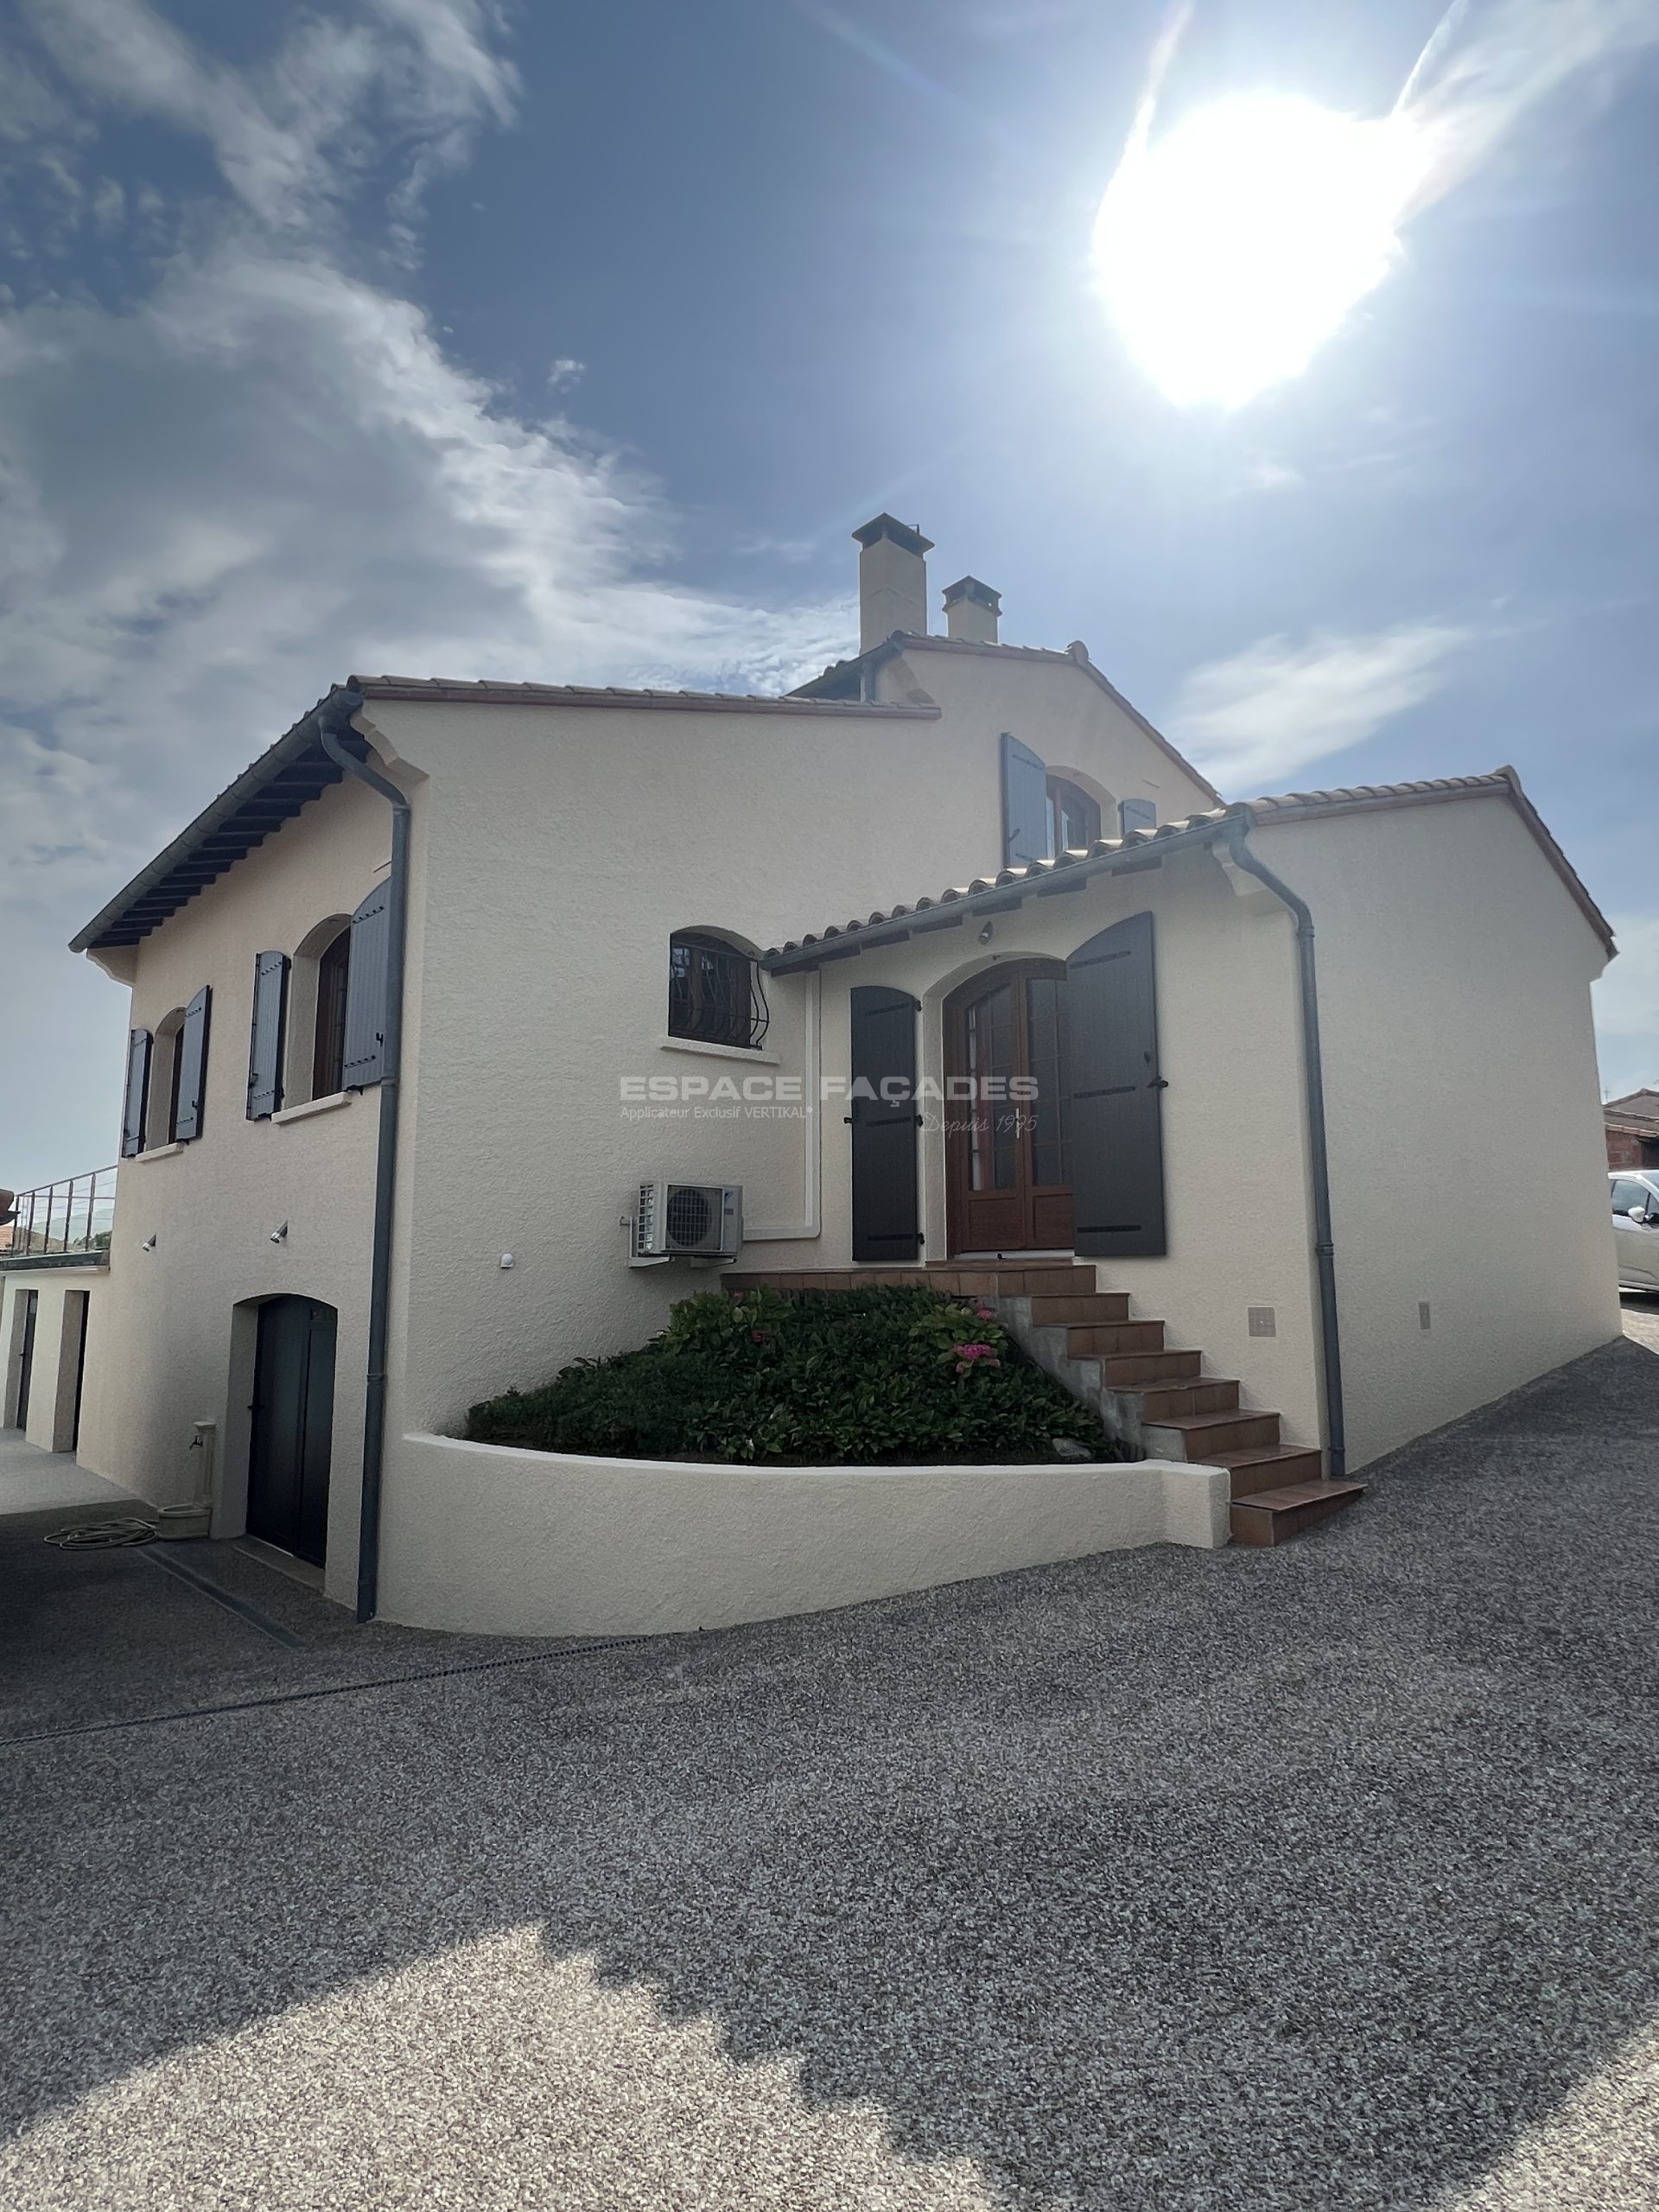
x: 1230, y: 246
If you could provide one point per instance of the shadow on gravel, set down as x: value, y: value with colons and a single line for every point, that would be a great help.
x: 1245, y: 1879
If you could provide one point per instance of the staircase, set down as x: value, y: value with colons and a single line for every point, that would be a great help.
x: 1159, y: 1404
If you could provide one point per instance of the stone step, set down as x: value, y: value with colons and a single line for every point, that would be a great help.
x: 1210, y: 1436
x: 1130, y: 1371
x: 1093, y: 1341
x: 1095, y: 1305
x: 1269, y: 1466
x: 1176, y: 1401
x: 1273, y: 1516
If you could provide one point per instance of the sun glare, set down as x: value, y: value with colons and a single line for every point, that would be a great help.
x: 1230, y: 246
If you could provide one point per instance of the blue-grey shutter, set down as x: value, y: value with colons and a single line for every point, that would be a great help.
x: 365, y: 992
x: 1138, y: 814
x: 192, y: 1049
x: 887, y: 1224
x: 266, y: 1037
x: 1025, y: 804
x: 132, y: 1112
x: 1116, y: 1140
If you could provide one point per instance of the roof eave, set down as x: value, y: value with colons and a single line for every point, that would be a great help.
x: 129, y: 904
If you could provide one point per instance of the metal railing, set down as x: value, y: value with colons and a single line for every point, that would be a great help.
x: 75, y: 1215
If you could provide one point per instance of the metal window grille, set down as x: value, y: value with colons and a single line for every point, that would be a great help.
x: 715, y: 992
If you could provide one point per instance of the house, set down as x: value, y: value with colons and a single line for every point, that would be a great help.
x: 947, y: 957
x: 1632, y: 1126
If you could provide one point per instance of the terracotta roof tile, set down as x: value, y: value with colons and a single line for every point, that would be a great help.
x: 1289, y: 805
x: 467, y: 691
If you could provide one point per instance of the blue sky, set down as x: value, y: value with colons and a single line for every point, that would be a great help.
x: 571, y: 343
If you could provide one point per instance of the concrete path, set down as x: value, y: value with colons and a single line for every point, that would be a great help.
x: 1250, y: 1881
x: 34, y: 1481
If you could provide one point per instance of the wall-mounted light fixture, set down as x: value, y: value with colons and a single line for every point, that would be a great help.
x: 987, y: 932
x: 507, y: 1260
x: 149, y: 1244
x: 279, y: 1234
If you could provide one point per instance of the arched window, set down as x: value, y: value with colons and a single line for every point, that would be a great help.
x: 328, y: 1048
x: 1074, y: 817
x: 714, y: 991
x: 166, y: 1067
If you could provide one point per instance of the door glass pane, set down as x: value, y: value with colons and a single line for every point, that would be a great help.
x: 1047, y: 1112
x: 992, y: 1136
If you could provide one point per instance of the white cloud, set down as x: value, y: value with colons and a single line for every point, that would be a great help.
x: 1627, y: 1007
x: 1490, y: 63
x: 1272, y: 709
x: 261, y: 475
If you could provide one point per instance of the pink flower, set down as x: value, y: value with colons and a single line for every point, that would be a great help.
x: 968, y: 1354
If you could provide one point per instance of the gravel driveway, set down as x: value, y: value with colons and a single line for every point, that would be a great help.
x: 1322, y: 1878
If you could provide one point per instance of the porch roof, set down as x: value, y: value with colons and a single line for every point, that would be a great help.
x: 1146, y: 848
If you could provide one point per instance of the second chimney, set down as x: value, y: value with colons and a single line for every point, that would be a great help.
x: 972, y: 611
x: 891, y: 580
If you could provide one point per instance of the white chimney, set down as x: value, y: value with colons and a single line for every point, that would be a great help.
x: 971, y: 611
x: 891, y: 580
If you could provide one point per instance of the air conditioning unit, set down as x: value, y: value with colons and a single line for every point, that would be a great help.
x: 687, y: 1221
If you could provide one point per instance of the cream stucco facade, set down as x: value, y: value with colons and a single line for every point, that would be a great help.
x: 560, y: 838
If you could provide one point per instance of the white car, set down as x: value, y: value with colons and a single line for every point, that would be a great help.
x: 1636, y: 1228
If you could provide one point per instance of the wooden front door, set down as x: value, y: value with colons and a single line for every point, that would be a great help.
x: 293, y: 1426
x: 1005, y: 1153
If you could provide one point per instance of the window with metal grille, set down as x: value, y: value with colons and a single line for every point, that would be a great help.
x: 714, y: 992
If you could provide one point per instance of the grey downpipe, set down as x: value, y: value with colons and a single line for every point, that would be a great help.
x: 1324, y: 1253
x: 385, y: 1166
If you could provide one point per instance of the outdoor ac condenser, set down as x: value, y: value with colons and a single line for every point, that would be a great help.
x: 689, y: 1221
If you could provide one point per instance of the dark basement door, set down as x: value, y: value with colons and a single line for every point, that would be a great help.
x: 293, y: 1426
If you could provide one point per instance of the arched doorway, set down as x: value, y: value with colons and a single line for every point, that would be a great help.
x: 1008, y: 1184
x: 292, y: 1431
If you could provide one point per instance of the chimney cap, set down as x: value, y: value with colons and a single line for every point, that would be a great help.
x: 971, y: 587
x: 900, y: 533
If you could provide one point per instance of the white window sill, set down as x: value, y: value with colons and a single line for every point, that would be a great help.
x: 304, y: 1112
x: 750, y: 1053
x: 158, y: 1152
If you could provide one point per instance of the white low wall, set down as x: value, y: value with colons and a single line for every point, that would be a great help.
x: 483, y: 1538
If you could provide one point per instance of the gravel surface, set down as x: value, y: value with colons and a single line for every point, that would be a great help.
x: 1322, y: 1879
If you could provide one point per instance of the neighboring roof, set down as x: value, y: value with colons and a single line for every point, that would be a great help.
x: 1144, y: 849
x: 1635, y: 1106
x: 296, y: 770
x: 845, y: 678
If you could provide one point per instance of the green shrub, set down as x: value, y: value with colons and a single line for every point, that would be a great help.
x: 839, y: 1377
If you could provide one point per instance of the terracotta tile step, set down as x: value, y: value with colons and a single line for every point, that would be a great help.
x: 1269, y: 1466
x: 1051, y: 1280
x: 1103, y: 1339
x: 1048, y: 1277
x: 1089, y: 1306
x: 1273, y: 1516
x: 1167, y: 1401
x: 1212, y: 1436
x: 1129, y: 1370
